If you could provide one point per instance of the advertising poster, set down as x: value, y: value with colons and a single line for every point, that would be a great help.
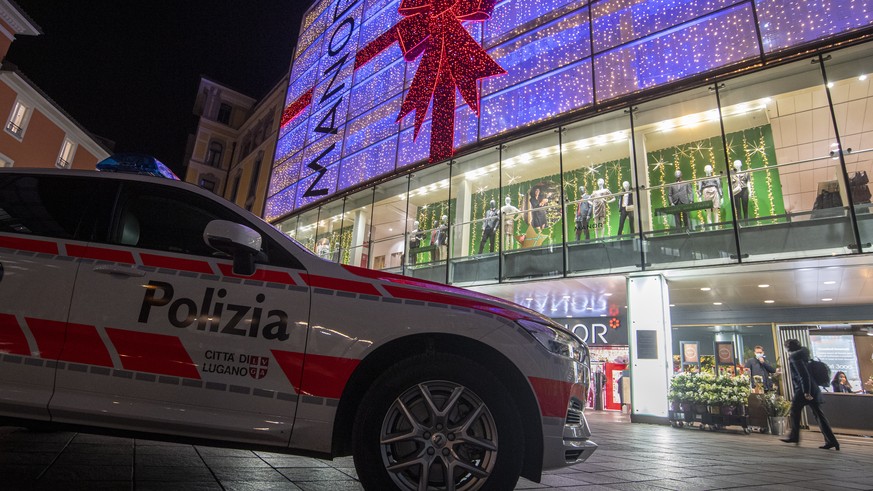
x: 690, y: 353
x: 838, y: 353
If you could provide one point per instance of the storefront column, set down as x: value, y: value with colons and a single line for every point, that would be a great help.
x: 651, y: 353
x: 359, y: 233
x: 463, y: 211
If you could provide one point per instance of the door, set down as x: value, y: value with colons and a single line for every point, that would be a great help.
x: 42, y: 218
x: 190, y: 345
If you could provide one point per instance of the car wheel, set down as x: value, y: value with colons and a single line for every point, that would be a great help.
x: 438, y: 421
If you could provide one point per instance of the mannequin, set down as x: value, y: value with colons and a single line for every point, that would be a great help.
x: 322, y: 248
x: 583, y: 214
x: 510, y: 215
x: 441, y: 239
x: 740, y: 190
x: 681, y: 194
x: 598, y: 207
x: 626, y: 208
x: 710, y: 189
x: 415, y: 238
x: 536, y: 201
x: 489, y: 226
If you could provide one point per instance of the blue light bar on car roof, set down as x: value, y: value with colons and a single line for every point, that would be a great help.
x: 135, y: 163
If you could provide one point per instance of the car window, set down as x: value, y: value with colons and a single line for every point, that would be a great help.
x: 168, y: 219
x: 53, y: 206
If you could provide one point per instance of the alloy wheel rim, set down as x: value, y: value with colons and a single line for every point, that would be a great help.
x: 439, y: 435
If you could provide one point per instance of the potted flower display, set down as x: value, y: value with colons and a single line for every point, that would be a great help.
x: 777, y: 408
x: 683, y: 388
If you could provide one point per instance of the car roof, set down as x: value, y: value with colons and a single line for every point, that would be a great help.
x: 93, y: 174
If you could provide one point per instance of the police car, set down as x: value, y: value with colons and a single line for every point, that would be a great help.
x: 131, y: 303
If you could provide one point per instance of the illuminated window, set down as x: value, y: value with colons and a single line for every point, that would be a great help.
x: 65, y: 157
x: 17, y: 120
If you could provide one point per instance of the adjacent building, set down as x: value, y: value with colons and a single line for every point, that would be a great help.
x: 37, y: 132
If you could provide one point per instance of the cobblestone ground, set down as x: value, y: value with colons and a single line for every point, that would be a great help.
x: 630, y: 457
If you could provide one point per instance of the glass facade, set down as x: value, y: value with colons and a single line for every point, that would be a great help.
x: 768, y: 165
x: 374, y: 91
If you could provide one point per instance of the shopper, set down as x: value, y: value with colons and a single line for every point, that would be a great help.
x: 758, y: 367
x: 841, y: 384
x: 806, y: 393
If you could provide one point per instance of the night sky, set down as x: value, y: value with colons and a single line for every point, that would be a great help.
x: 128, y: 70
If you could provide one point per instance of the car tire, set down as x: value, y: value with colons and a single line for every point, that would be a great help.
x: 471, y: 428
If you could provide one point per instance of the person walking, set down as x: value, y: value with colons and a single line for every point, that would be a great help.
x: 806, y: 393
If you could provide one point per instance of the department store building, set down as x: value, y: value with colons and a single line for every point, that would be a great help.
x: 646, y: 172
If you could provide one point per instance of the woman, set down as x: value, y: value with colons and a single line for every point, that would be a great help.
x: 841, y: 384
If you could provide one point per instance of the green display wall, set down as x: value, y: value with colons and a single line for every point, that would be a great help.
x: 753, y: 146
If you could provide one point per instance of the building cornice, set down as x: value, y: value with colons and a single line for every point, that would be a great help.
x: 18, y: 19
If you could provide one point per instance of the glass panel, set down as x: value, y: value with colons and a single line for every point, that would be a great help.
x: 475, y: 218
x: 355, y: 232
x: 531, y: 181
x: 786, y: 179
x: 429, y: 207
x: 785, y: 25
x: 328, y: 239
x: 681, y: 159
x: 289, y: 226
x: 599, y: 196
x: 721, y: 39
x: 307, y: 227
x: 852, y: 95
x: 389, y: 225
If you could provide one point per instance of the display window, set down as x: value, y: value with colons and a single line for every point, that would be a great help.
x: 729, y: 349
x: 531, y: 181
x: 851, y: 90
x: 599, y: 195
x: 328, y: 239
x: 355, y: 232
x: 307, y: 229
x: 475, y: 218
x: 680, y: 155
x: 429, y: 209
x: 389, y: 225
x: 787, y: 186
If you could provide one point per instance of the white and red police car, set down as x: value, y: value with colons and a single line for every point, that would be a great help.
x: 140, y: 304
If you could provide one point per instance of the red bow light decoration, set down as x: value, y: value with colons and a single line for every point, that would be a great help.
x: 451, y: 59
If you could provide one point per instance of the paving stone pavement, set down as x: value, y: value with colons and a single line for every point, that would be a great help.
x: 630, y: 457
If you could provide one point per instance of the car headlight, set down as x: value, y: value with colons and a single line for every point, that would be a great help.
x: 556, y: 340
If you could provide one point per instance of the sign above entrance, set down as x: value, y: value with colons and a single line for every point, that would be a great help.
x: 598, y: 331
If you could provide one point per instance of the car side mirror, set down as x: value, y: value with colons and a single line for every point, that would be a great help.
x: 237, y: 241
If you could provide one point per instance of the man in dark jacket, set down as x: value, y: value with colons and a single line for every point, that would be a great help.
x: 758, y: 367
x: 806, y: 393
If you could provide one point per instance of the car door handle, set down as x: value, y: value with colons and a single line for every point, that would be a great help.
x: 119, y: 271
